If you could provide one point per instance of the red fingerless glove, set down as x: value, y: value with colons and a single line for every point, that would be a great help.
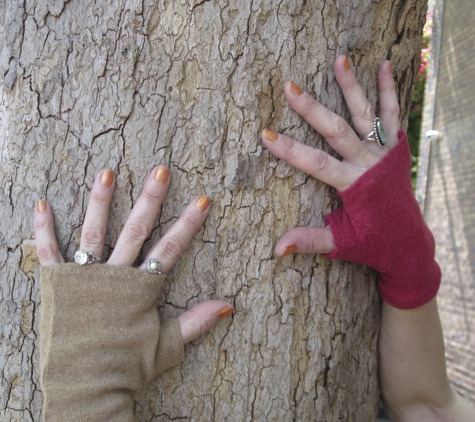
x: 380, y: 225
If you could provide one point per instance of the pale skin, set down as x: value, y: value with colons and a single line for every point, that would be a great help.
x: 413, y: 374
x: 137, y: 228
x: 412, y: 368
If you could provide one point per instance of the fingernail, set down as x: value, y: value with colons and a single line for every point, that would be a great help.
x: 346, y: 64
x: 107, y: 177
x: 295, y: 88
x: 290, y: 250
x: 41, y: 205
x: 203, y: 202
x: 225, y: 312
x: 162, y: 174
x: 270, y: 135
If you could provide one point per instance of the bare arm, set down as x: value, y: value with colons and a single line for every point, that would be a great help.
x: 413, y: 373
x: 379, y: 225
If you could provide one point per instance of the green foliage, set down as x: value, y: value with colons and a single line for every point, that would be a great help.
x: 415, y: 113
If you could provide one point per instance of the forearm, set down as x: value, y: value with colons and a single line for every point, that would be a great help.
x: 379, y: 225
x: 412, y: 367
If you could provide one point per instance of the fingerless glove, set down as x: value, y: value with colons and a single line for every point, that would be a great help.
x: 381, y: 225
x: 101, y: 340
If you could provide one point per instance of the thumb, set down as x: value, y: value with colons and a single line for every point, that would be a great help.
x: 199, y: 319
x: 306, y: 240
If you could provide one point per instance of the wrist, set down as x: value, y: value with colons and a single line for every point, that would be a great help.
x: 101, y: 340
x: 380, y: 225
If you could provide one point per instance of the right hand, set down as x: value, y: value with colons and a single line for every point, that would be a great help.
x: 358, y: 156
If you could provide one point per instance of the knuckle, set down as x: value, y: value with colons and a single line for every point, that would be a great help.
x: 316, y: 243
x: 189, y: 221
x: 395, y: 111
x: 288, y: 147
x: 99, y: 197
x: 136, y: 233
x: 310, y: 105
x: 45, y: 253
x: 204, y: 326
x: 151, y: 196
x: 200, y: 326
x: 341, y: 128
x: 93, y: 237
x: 43, y: 224
x: 367, y: 112
x: 321, y: 160
x: 173, y: 247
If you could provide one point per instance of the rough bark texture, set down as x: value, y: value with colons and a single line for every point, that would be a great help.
x: 190, y: 84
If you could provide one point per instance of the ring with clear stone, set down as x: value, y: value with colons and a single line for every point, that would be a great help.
x: 377, y: 135
x: 82, y: 257
x: 153, y: 266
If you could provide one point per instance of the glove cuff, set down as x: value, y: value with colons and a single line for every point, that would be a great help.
x: 380, y: 225
x: 101, y: 340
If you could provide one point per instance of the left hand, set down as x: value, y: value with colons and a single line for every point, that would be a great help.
x: 358, y: 156
x: 137, y: 228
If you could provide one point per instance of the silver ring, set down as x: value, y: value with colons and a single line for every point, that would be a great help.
x: 153, y: 266
x: 377, y: 135
x: 82, y: 257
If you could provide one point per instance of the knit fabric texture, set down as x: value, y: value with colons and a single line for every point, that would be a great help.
x: 101, y: 340
x: 380, y: 225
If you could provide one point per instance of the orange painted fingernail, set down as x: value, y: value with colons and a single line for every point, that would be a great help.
x: 203, y: 202
x: 346, y: 64
x: 162, y: 174
x: 295, y: 88
x: 290, y: 250
x: 225, y: 312
x: 41, y: 205
x: 107, y: 177
x: 271, y: 135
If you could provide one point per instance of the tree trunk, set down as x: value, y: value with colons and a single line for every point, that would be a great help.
x: 190, y: 84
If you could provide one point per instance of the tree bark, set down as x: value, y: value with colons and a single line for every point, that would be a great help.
x: 190, y: 84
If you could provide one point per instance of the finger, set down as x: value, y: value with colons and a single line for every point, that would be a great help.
x: 306, y: 240
x: 46, y: 244
x: 142, y: 218
x: 389, y: 104
x: 97, y: 213
x: 312, y: 161
x: 334, y: 128
x: 362, y: 112
x: 202, y: 317
x: 175, y: 241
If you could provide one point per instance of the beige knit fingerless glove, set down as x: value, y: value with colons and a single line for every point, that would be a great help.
x: 101, y: 340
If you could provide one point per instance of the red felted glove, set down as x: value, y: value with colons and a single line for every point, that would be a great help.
x: 381, y: 225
